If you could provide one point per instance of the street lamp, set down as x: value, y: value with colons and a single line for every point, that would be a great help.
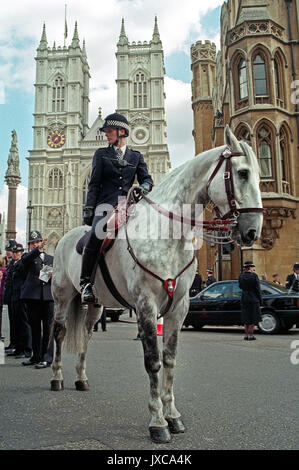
x: 29, y: 210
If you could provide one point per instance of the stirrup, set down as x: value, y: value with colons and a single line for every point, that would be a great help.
x: 92, y: 300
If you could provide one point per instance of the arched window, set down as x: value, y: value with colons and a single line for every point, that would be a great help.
x: 58, y: 95
x: 55, y: 179
x: 85, y: 188
x: 140, y: 91
x: 243, y: 133
x: 265, y: 150
x: 279, y: 80
x: 284, y: 160
x: 259, y: 76
x: 242, y: 75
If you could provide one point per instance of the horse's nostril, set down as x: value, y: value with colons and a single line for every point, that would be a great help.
x: 251, y: 234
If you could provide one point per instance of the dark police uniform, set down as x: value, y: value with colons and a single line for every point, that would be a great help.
x: 292, y: 281
x: 251, y: 298
x: 6, y: 298
x: 113, y: 174
x: 40, y: 304
x: 196, y: 285
x: 23, y: 329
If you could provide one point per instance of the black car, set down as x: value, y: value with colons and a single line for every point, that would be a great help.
x: 114, y: 313
x: 219, y: 304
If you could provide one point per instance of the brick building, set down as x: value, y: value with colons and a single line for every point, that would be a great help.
x: 252, y: 84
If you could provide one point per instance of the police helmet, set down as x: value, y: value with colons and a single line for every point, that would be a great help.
x: 117, y: 121
x: 35, y: 236
x: 9, y: 245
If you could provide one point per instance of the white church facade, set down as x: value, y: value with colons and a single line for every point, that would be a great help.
x: 63, y: 142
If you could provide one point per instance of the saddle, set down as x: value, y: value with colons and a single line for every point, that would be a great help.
x: 118, y: 218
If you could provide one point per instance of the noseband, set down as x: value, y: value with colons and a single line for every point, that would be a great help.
x: 234, y: 212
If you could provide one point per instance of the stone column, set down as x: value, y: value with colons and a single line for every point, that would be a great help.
x: 12, y: 179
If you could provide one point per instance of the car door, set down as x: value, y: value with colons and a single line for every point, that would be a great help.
x: 215, y: 303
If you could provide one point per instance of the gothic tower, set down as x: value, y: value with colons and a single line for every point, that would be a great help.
x: 140, y: 97
x: 13, y: 179
x: 203, y: 57
x: 63, y: 144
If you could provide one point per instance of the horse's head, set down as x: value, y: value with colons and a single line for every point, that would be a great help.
x: 244, y: 183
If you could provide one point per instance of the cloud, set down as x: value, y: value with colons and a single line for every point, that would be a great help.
x: 21, y: 212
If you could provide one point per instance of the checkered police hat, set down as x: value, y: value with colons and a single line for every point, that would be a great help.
x: 18, y: 247
x: 117, y: 121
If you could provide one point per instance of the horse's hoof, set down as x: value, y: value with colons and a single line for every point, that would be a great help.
x: 82, y: 385
x: 175, y: 425
x: 57, y: 385
x: 160, y: 435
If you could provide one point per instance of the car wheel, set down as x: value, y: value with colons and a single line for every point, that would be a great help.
x: 114, y: 317
x: 269, y: 324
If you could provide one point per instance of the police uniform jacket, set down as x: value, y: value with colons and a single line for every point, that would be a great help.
x: 18, y: 277
x: 210, y: 280
x: 7, y: 289
x: 196, y: 285
x: 292, y: 282
x: 33, y: 288
x: 251, y: 297
x: 109, y: 180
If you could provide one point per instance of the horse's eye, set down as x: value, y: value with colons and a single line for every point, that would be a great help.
x: 243, y: 174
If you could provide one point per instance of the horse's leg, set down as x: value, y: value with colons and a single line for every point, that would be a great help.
x: 92, y: 316
x: 172, y: 325
x: 147, y: 315
x: 59, y: 331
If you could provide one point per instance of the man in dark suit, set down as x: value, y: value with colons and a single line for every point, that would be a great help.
x: 6, y: 296
x: 23, y: 330
x: 210, y: 278
x: 196, y: 285
x: 251, y: 299
x: 114, y: 169
x: 292, y: 281
x: 39, y: 300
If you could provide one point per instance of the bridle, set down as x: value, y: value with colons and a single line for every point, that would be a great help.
x: 233, y: 212
x: 221, y: 224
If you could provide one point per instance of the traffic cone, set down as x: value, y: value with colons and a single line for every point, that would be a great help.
x: 160, y: 327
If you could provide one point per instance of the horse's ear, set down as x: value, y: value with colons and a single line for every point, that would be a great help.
x: 231, y: 140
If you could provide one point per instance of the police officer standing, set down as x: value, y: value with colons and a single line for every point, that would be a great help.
x: 251, y: 299
x: 210, y: 278
x: 23, y: 330
x: 114, y: 169
x: 292, y: 281
x: 7, y: 296
x: 39, y: 300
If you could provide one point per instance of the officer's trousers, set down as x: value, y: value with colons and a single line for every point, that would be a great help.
x: 40, y: 315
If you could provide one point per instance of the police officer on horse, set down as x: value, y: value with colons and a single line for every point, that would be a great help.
x: 114, y: 169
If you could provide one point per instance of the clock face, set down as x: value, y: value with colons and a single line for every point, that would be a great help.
x: 56, y: 139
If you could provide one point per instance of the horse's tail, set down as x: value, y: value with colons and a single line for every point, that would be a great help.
x: 76, y: 331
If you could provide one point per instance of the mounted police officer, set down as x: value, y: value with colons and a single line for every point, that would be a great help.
x: 23, y: 330
x: 292, y: 281
x: 114, y: 169
x: 6, y: 296
x: 251, y: 299
x: 39, y: 300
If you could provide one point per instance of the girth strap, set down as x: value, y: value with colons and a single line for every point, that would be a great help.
x: 110, y: 284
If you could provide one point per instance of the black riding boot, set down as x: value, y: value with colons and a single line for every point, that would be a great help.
x: 89, y: 260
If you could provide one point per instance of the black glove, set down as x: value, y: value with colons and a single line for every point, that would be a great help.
x: 140, y: 190
x: 88, y: 214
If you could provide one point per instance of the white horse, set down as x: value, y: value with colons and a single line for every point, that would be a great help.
x: 198, y: 181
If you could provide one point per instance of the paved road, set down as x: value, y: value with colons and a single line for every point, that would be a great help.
x: 232, y: 394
